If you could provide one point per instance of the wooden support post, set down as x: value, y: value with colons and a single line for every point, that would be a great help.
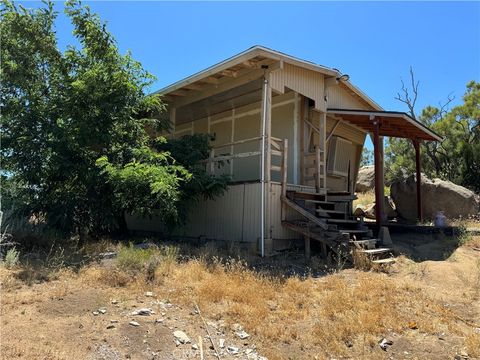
x: 378, y: 172
x: 416, y: 145
x: 318, y: 175
x: 307, y: 247
x: 284, y: 176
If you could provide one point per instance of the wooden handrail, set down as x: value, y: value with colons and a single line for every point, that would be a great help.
x: 237, y: 142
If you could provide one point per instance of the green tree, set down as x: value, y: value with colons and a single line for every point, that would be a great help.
x: 367, y: 157
x: 73, y: 126
x: 457, y: 157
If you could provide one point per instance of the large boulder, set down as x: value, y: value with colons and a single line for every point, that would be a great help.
x: 437, y: 195
x: 366, y: 179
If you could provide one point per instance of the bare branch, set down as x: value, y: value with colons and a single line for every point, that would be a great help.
x: 406, y: 97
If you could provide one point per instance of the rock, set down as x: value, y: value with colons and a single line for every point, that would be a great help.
x: 143, y: 312
x: 149, y: 294
x: 221, y: 343
x: 366, y: 179
x: 113, y: 321
x: 195, y: 347
x: 368, y: 211
x: 384, y: 344
x: 102, y: 311
x: 232, y: 350
x: 181, y: 337
x: 159, y: 320
x: 114, y: 301
x: 134, y: 323
x: 242, y: 334
x: 111, y: 326
x: 437, y: 195
x: 95, y: 313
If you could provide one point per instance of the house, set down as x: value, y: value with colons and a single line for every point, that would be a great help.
x: 290, y: 133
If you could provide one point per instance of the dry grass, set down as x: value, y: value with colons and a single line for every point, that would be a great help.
x: 364, y: 199
x: 344, y: 314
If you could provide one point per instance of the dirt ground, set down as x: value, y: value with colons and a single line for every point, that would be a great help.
x: 427, y: 305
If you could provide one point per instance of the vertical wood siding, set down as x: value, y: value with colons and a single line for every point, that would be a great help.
x: 306, y: 82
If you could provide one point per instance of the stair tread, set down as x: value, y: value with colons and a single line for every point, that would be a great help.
x: 354, y: 231
x: 330, y: 211
x: 384, y: 261
x: 341, y: 221
x: 375, y: 251
x: 320, y: 202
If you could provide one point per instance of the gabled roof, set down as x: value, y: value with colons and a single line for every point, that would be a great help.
x: 253, y: 57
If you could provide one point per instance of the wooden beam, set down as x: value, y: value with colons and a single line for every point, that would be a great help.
x: 378, y: 173
x: 180, y: 92
x: 227, y: 84
x: 193, y: 87
x: 229, y: 73
x: 210, y: 80
x: 416, y: 145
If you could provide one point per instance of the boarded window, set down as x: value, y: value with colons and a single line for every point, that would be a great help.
x: 339, y: 155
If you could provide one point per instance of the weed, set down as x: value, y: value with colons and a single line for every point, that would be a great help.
x: 11, y: 258
x: 361, y: 260
x: 133, y: 259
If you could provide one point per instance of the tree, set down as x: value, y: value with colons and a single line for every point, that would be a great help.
x: 74, y: 123
x: 367, y: 157
x: 456, y: 158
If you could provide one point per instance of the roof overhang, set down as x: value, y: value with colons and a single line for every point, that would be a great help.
x: 248, y: 60
x: 392, y: 123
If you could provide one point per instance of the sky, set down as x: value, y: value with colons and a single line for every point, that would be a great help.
x: 373, y: 42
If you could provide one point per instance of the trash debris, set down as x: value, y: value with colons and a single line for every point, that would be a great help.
x: 384, y: 344
x: 149, y: 294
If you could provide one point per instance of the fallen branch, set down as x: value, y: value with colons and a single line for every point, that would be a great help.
x: 208, y: 331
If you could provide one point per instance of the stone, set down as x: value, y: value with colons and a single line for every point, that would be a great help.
x: 365, y: 179
x: 111, y: 326
x: 221, y: 343
x: 113, y: 321
x: 143, y: 312
x: 102, y: 311
x: 95, y: 313
x: 181, y: 337
x: 149, y: 294
x: 233, y: 350
x: 437, y: 195
x: 195, y: 347
x: 134, y: 323
x: 242, y: 334
x: 114, y: 301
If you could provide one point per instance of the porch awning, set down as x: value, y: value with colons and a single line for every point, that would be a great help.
x: 392, y: 123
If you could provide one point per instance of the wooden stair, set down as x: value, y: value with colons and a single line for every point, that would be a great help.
x: 331, y: 224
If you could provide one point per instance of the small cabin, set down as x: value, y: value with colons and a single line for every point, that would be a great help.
x: 290, y: 133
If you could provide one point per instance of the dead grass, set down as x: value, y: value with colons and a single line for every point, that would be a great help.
x: 344, y: 314
x: 364, y: 199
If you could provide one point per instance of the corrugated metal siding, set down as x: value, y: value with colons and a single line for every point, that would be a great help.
x: 339, y: 98
x: 306, y: 82
x: 232, y: 217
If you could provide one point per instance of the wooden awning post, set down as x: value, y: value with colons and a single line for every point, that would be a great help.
x: 378, y: 171
x: 416, y: 145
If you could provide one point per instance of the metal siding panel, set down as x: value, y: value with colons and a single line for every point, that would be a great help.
x: 251, y: 215
x: 339, y: 98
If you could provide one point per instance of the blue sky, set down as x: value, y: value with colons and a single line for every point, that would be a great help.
x: 374, y: 42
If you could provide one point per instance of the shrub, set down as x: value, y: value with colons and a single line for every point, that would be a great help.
x: 11, y: 258
x: 134, y: 259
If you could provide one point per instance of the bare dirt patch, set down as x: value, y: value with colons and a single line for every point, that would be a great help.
x: 428, y: 309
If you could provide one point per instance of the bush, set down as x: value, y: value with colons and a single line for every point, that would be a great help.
x: 134, y: 259
x: 11, y: 258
